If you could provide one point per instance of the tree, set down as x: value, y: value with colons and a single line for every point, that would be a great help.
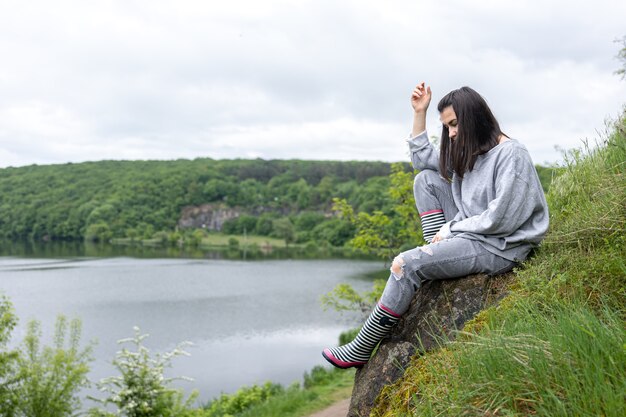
x: 380, y: 233
x: 335, y: 231
x: 345, y: 298
x: 308, y: 220
x: 284, y: 229
x: 401, y: 192
x: 265, y: 224
x: 50, y: 377
x: 8, y: 358
x: 98, y: 232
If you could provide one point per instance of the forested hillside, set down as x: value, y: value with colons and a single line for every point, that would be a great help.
x: 63, y: 201
x: 138, y: 199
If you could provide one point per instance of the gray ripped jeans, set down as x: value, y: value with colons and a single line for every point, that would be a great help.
x: 450, y: 258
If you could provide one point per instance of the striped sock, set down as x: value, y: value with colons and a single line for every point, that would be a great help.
x: 358, y: 352
x: 432, y: 221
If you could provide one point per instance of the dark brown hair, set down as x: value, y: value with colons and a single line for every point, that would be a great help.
x: 478, y: 132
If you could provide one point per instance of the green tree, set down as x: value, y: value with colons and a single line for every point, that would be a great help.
x: 8, y: 359
x: 308, y: 220
x: 384, y: 234
x: 50, y: 377
x: 219, y: 189
x: 284, y: 229
x: 409, y: 232
x: 98, y: 232
x: 195, y: 237
x: 345, y: 298
x: 299, y: 193
x: 105, y: 213
x: 323, y: 192
x: 372, y: 230
x: 335, y: 231
x: 64, y: 201
x: 244, y: 224
x: 265, y: 224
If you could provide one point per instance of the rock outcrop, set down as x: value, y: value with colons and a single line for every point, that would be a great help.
x: 438, y: 309
x: 207, y: 216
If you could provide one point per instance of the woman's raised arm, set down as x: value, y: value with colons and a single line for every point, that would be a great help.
x: 420, y: 99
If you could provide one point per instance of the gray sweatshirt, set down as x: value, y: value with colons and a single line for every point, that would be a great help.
x: 501, y: 202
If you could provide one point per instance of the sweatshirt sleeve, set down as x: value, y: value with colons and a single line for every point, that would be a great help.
x: 423, y: 154
x: 515, y: 202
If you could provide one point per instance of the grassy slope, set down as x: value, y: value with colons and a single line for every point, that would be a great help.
x: 557, y: 345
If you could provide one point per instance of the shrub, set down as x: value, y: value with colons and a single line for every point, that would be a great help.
x: 242, y: 400
x: 141, y: 390
x: 319, y: 375
x: 233, y: 243
x: 49, y: 378
x: 98, y: 232
x: 8, y: 357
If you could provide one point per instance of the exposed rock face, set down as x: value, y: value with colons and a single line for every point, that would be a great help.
x: 207, y: 216
x: 439, y: 308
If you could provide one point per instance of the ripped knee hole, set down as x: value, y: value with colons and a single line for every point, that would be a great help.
x: 397, y: 265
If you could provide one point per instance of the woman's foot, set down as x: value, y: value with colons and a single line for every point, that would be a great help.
x: 357, y: 353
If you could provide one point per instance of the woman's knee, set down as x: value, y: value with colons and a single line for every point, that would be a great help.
x: 397, y: 266
x: 424, y: 180
x: 400, y: 289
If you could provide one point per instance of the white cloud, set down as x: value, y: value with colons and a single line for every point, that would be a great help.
x: 293, y: 79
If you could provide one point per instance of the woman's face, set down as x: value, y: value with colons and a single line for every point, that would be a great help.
x: 448, y: 119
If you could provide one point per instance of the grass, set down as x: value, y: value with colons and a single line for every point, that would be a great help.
x: 556, y: 346
x: 322, y: 387
x: 220, y: 239
x: 217, y: 240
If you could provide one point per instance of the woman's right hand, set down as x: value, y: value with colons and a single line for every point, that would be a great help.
x: 420, y: 99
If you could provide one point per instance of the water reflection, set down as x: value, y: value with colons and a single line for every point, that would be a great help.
x: 65, y: 249
x: 250, y: 321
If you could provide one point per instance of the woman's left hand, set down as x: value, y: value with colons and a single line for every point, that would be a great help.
x: 420, y: 98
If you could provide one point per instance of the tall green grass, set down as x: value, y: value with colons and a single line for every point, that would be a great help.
x: 569, y: 361
x: 556, y: 346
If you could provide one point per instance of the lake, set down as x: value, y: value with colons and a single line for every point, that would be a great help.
x: 249, y: 321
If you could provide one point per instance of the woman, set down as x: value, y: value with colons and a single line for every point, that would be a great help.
x: 480, y: 202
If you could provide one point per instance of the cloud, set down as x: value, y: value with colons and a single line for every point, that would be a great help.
x: 293, y: 79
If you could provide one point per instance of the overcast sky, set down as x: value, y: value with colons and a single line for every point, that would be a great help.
x: 135, y: 79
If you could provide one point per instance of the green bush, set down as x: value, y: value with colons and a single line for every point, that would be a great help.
x: 233, y: 243
x: 8, y: 358
x: 50, y: 377
x: 319, y: 375
x: 243, y: 399
x: 244, y: 224
x: 141, y: 390
x: 336, y: 231
x: 38, y: 381
x: 98, y: 232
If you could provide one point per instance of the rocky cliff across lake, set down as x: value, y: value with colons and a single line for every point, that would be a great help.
x: 437, y: 311
x: 207, y: 216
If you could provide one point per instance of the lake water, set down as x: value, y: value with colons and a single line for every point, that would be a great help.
x: 249, y: 321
